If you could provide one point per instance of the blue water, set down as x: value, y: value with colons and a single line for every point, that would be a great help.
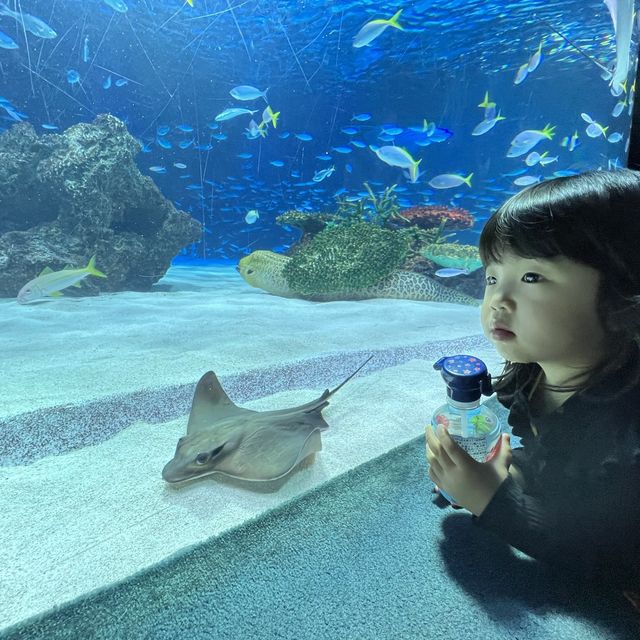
x: 166, y: 69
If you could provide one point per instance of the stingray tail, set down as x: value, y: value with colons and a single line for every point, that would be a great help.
x: 330, y: 393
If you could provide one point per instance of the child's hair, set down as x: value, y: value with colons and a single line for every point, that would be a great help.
x: 592, y: 218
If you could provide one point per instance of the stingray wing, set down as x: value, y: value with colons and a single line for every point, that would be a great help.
x: 211, y: 404
x: 273, y: 449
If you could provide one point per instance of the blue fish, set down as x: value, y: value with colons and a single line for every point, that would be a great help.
x: 277, y: 163
x: 342, y: 149
x: 185, y: 128
x: 6, y: 42
x: 34, y: 25
x: 117, y: 5
x: 120, y: 82
x: 450, y: 272
x: 350, y: 131
x: 107, y: 83
x: 162, y: 130
x: 362, y: 117
x: 49, y: 127
x: 305, y: 137
x: 165, y: 144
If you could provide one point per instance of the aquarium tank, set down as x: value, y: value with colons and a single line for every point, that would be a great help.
x: 234, y: 237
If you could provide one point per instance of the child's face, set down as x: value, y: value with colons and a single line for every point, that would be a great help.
x: 550, y: 306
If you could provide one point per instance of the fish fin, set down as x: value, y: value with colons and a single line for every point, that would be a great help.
x: 56, y: 294
x: 468, y: 179
x: 393, y: 21
x: 211, y: 404
x: 91, y: 268
x: 45, y: 271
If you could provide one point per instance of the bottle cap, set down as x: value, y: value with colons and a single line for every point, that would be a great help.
x: 466, y: 377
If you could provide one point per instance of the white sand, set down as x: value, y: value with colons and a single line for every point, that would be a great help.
x: 86, y: 519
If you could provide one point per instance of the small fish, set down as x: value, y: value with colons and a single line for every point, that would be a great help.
x: 614, y: 137
x: 350, y: 131
x: 525, y: 181
x: 305, y: 137
x: 6, y: 42
x: 595, y: 129
x: 49, y: 283
x: 449, y: 180
x: 234, y: 112
x: 121, y: 82
x: 73, y: 77
x: 117, y: 5
x: 247, y: 92
x: 526, y: 140
x: 268, y: 115
x: 85, y: 49
x: 163, y: 129
x: 34, y: 25
x: 252, y: 216
x: 165, y: 144
x: 399, y: 157
x: 158, y: 169
x: 324, y: 173
x: 545, y: 160
x: 570, y: 142
x: 277, y: 163
x: 185, y: 128
x: 107, y: 83
x: 343, y: 150
x: 523, y: 71
x: 256, y: 130
x: 619, y: 108
x: 49, y: 127
x: 534, y: 157
x: 372, y: 29
x: 535, y: 59
x: 179, y: 165
x: 245, y: 155
x: 361, y: 117
x: 486, y: 125
x: 451, y: 272
x: 185, y: 144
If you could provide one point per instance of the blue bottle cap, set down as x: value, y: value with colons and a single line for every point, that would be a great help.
x: 466, y: 377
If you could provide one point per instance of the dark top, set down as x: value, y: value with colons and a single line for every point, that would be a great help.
x: 579, y: 508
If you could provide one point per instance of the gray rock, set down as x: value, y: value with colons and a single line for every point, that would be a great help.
x: 64, y: 198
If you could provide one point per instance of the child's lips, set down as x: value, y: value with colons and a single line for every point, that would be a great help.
x: 500, y: 333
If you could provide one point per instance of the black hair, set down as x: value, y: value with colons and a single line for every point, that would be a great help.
x: 592, y: 218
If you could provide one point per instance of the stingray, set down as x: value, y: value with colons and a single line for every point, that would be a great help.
x: 259, y: 446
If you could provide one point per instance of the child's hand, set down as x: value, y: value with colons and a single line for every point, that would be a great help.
x: 470, y: 482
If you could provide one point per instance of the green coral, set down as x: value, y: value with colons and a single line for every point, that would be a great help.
x: 345, y: 258
x: 453, y: 255
x: 375, y: 209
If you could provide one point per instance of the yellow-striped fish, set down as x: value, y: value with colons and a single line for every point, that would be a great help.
x: 49, y: 283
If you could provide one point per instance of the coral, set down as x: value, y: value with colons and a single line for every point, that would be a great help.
x: 375, y: 209
x: 308, y: 223
x: 66, y: 197
x: 429, y: 216
x: 345, y: 258
x: 457, y: 256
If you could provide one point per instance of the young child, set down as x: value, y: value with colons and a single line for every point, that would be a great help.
x: 562, y: 306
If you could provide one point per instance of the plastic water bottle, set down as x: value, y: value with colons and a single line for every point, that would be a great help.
x: 471, y: 424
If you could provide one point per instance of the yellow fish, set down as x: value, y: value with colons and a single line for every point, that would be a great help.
x: 49, y: 284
